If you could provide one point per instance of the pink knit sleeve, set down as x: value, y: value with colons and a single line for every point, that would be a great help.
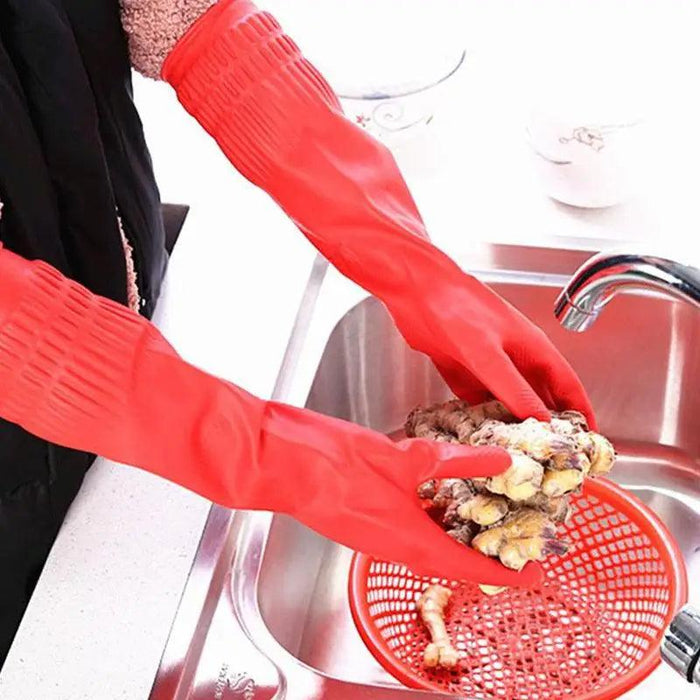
x: 153, y: 27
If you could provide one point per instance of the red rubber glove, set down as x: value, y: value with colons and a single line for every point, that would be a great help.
x: 280, y: 124
x: 85, y: 372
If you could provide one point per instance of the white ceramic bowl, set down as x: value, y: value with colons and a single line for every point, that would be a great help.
x: 589, y: 126
x: 588, y: 164
x: 390, y: 61
x: 396, y: 113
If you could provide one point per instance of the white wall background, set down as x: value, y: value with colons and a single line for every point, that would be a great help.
x: 473, y: 167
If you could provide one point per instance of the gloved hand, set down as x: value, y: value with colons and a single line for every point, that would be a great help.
x: 280, y: 124
x: 85, y: 372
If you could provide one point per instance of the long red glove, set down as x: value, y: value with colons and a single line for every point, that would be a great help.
x: 280, y: 124
x: 87, y: 373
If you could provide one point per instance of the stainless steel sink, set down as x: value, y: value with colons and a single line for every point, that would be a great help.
x: 265, y: 613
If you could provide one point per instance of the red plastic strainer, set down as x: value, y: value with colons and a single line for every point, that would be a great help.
x: 591, y: 631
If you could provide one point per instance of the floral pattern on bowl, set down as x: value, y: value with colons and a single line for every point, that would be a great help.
x: 393, y: 118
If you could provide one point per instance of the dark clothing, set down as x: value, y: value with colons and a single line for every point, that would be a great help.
x: 72, y: 156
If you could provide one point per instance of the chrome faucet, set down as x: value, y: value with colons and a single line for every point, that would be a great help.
x: 680, y: 647
x: 593, y: 285
x: 598, y: 280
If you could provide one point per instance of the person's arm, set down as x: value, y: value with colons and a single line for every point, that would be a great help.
x: 153, y: 27
x: 280, y: 124
x: 85, y: 372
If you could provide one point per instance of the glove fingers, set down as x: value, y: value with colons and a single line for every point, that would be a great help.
x: 554, y: 376
x: 573, y: 396
x: 462, y: 382
x: 430, y: 552
x: 463, y: 462
x: 405, y: 534
x: 543, y: 391
x: 569, y: 393
x: 508, y: 385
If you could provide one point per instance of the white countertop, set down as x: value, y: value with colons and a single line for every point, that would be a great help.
x: 101, y: 613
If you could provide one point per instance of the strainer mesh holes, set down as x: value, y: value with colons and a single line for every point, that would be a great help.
x: 601, y: 611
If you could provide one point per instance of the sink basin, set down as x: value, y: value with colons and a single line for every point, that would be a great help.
x: 640, y: 379
x: 280, y: 598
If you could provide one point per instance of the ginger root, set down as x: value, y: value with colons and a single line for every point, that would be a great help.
x: 527, y: 535
x: 600, y: 453
x: 513, y: 515
x: 558, y: 483
x: 521, y: 481
x: 454, y: 421
x: 491, y: 590
x: 557, y: 507
x: 533, y: 438
x: 483, y: 509
x: 431, y: 608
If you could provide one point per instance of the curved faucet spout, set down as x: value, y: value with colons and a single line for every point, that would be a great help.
x: 599, y: 279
